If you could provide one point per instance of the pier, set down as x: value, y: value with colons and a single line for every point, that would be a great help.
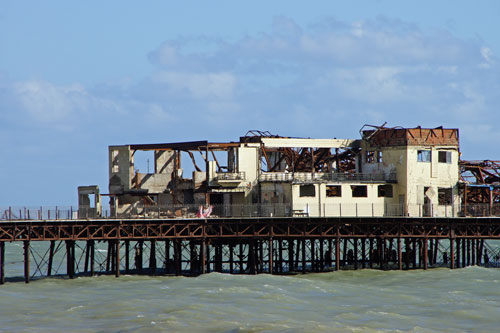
x: 247, y: 245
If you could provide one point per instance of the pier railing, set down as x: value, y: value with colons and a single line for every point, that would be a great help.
x: 254, y: 210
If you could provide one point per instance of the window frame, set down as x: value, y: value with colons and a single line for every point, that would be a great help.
x: 303, y: 188
x: 357, y: 195
x: 338, y: 191
x: 421, y: 153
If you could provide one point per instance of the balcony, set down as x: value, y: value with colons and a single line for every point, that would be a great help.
x: 229, y: 178
x: 309, y: 177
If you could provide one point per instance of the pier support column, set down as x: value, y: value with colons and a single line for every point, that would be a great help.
x: 117, y: 258
x: 400, y: 259
x: 355, y: 240
x: 337, y: 253
x: 27, y: 261
x: 313, y: 255
x: 452, y: 251
x: 231, y: 257
x: 70, y: 258
x: 51, y: 257
x: 290, y: 256
x: 370, y: 255
x: 280, y: 255
x: 303, y: 255
x: 271, y: 253
x: 458, y: 253
x: 2, y: 262
x: 127, y: 256
x: 92, y: 257
x: 426, y: 251
x: 152, y: 257
x: 251, y: 257
x: 177, y: 257
x: 363, y: 253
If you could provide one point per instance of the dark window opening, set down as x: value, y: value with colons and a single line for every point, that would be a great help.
x: 370, y: 157
x: 333, y: 190
x: 385, y: 191
x: 359, y: 191
x: 307, y: 191
x: 445, y: 196
x: 444, y: 157
x: 424, y: 156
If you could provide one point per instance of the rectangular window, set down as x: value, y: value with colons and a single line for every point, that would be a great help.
x: 424, y: 156
x: 307, y: 191
x: 385, y: 191
x: 444, y: 157
x: 333, y: 190
x: 359, y: 191
x: 115, y: 162
x: 370, y: 157
x: 445, y: 196
x: 379, y: 157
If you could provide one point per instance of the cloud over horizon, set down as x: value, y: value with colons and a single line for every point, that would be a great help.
x: 322, y: 80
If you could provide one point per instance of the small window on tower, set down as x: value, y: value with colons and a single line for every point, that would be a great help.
x: 444, y: 157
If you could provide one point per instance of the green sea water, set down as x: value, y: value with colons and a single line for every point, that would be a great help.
x: 367, y: 300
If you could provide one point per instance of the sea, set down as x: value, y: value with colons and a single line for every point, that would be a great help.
x: 439, y: 299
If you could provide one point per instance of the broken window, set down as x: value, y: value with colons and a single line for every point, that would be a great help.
x: 444, y: 157
x: 359, y: 191
x: 307, y: 191
x: 445, y: 196
x: 333, y: 190
x: 370, y: 156
x: 424, y: 156
x: 379, y: 157
x: 385, y: 191
x: 115, y: 162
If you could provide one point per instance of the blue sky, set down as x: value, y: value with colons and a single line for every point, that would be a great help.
x: 77, y: 77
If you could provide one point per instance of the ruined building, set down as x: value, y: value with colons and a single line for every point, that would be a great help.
x: 386, y: 172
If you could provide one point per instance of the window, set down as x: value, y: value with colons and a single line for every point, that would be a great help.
x: 359, y: 191
x: 370, y: 157
x: 307, y: 191
x: 379, y: 157
x: 385, y: 191
x: 333, y: 190
x: 444, y: 157
x: 445, y: 196
x: 115, y: 162
x: 424, y: 156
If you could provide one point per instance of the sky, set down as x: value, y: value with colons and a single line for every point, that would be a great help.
x: 76, y: 77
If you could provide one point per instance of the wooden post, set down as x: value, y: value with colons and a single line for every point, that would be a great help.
x: 26, y: 261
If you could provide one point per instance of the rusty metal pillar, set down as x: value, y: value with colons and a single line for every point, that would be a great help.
x: 426, y: 253
x: 459, y: 263
x: 113, y: 254
x: 464, y: 252
x: 290, y: 255
x: 321, y: 255
x: 86, y: 264
x: 70, y: 258
x: 117, y: 258
x: 203, y: 254
x: 414, y: 253
x: 138, y: 255
x: 177, y: 257
x: 92, y: 257
x: 51, y: 257
x: 251, y: 257
x: 2, y: 262
x: 452, y: 250
x: 167, y: 256
x: 280, y: 255
x: 231, y: 257
x: 363, y: 253
x: 26, y: 261
x: 303, y: 256
x: 329, y: 258
x: 473, y: 252
x: 355, y: 240
x: 371, y: 253
x: 108, y: 255
x: 271, y: 254
x: 152, y: 257
x: 467, y: 242
x: 337, y: 253
x: 400, y: 259
x: 241, y: 256
x: 382, y: 253
x: 344, y: 256
x: 313, y: 255
x: 127, y: 256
